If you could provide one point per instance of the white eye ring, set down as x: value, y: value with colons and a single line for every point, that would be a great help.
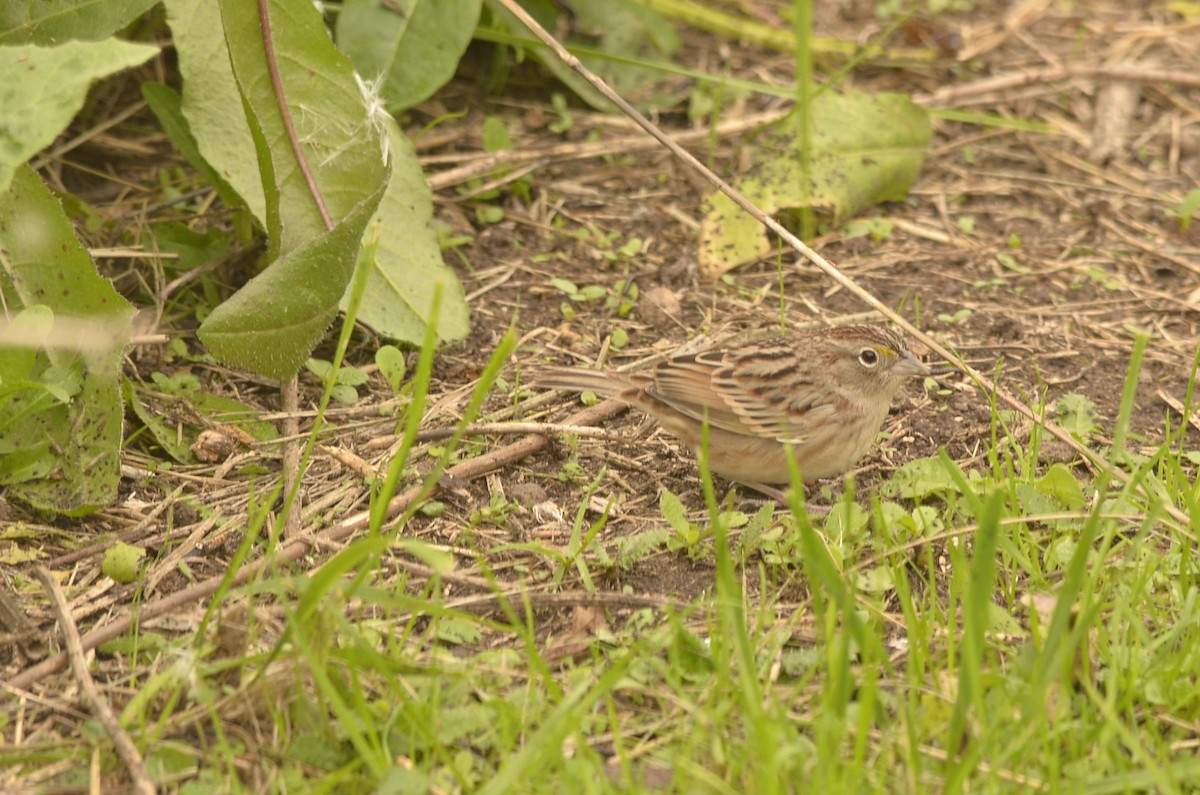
x: 868, y: 357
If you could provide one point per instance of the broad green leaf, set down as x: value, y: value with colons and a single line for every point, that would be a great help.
x: 918, y: 479
x: 42, y: 88
x: 212, y: 104
x: 411, y: 46
x: 845, y: 520
x: 20, y: 341
x: 876, y: 579
x: 1077, y: 414
x: 23, y: 460
x: 471, y: 722
x: 340, y: 139
x: 64, y: 381
x: 41, y: 263
x: 863, y: 149
x: 56, y: 21
x: 408, y: 264
x: 273, y: 323
x: 1061, y: 484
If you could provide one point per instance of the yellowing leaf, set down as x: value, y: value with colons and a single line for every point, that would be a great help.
x: 863, y: 149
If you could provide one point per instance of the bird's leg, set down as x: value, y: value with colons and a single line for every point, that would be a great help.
x: 779, y: 498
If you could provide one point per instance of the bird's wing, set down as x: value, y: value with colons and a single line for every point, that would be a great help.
x: 761, y: 394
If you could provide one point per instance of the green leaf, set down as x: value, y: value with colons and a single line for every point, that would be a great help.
x: 392, y: 367
x: 121, y: 562
x: 175, y: 440
x: 63, y: 382
x: 351, y: 376
x: 340, y: 136
x: 1077, y: 414
x: 30, y: 327
x: 629, y: 34
x: 179, y: 383
x: 863, y: 149
x: 273, y: 323
x: 567, y: 287
x: 412, y: 46
x: 925, y: 520
x: 633, y: 548
x: 41, y: 263
x: 434, y: 557
x: 24, y: 461
x: 42, y: 88
x: 920, y: 478
x: 457, y: 630
x: 212, y: 104
x: 321, y: 368
x: 1188, y: 208
x: 1010, y: 262
x: 53, y: 21
x: 461, y: 723
x: 546, y: 15
x: 191, y: 248
x: 877, y: 579
x: 495, y: 135
x: 674, y: 512
x: 346, y: 395
x: 1060, y: 483
x: 227, y: 411
x: 845, y: 520
x: 615, y: 40
x: 167, y: 105
x: 408, y: 266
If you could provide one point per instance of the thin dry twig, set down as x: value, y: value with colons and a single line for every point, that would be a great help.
x: 1193, y: 417
x: 87, y: 135
x: 100, y: 708
x: 144, y: 527
x: 955, y: 95
x: 508, y: 428
x: 478, y: 165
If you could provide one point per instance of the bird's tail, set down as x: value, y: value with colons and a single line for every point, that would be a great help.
x: 579, y: 380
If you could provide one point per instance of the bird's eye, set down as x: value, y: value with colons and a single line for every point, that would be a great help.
x: 869, y: 357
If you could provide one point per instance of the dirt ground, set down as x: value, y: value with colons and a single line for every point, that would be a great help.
x: 1083, y: 209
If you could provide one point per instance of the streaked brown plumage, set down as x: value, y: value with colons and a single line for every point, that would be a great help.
x: 824, y: 393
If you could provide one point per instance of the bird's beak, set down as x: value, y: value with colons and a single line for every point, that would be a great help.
x: 910, y: 365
